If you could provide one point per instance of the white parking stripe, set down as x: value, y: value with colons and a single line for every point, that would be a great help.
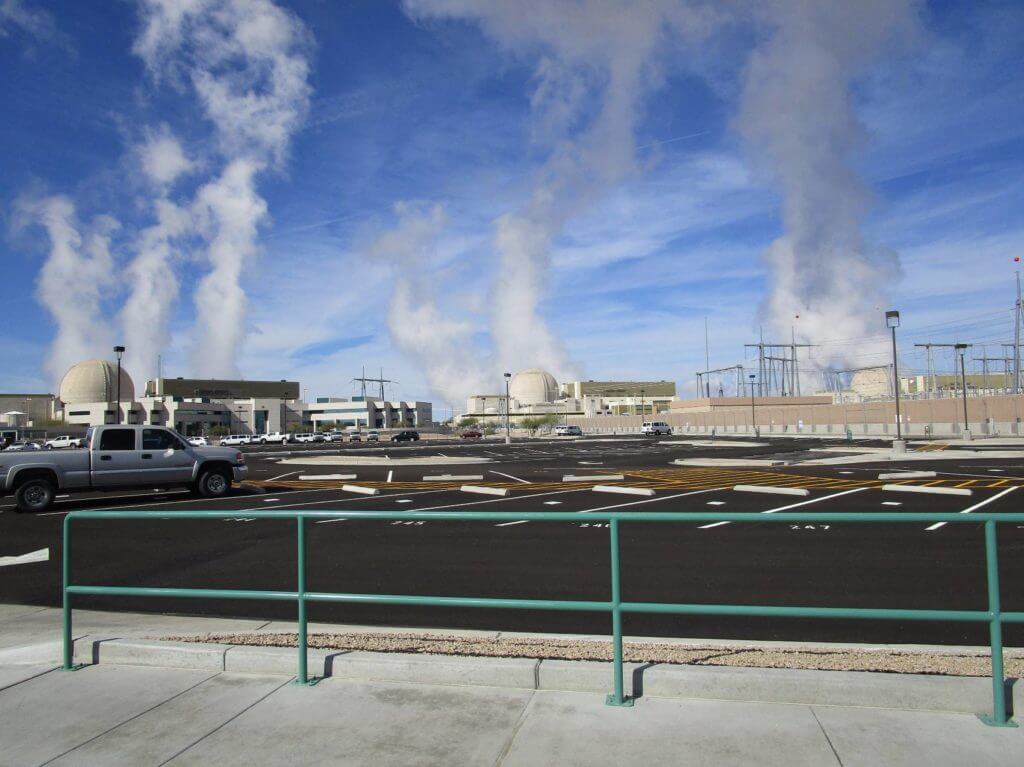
x: 976, y: 506
x: 517, y: 479
x: 791, y: 506
x: 283, y: 476
x: 652, y: 500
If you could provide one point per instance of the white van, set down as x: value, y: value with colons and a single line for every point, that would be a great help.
x: 565, y: 430
x: 653, y: 428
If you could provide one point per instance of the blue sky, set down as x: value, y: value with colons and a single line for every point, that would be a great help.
x: 437, y: 110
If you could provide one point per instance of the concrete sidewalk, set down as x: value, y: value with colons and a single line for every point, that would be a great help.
x: 124, y: 715
x: 133, y: 708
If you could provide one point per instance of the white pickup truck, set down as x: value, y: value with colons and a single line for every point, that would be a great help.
x: 62, y: 442
x: 120, y: 457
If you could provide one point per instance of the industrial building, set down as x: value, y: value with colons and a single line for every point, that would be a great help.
x: 89, y: 394
x: 534, y: 392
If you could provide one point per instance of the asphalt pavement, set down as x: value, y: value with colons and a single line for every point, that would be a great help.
x: 854, y: 565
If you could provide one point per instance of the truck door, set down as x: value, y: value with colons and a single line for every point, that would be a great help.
x: 115, y: 460
x: 165, y: 458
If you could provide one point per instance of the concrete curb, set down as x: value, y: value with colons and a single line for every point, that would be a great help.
x: 918, y: 692
x: 482, y: 490
x: 646, y: 491
x: 926, y: 489
x: 907, y: 475
x: 801, y: 491
x: 592, y: 477
x: 360, y: 489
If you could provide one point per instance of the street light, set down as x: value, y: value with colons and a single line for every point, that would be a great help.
x: 643, y: 407
x: 963, y: 380
x: 892, y: 321
x: 508, y: 429
x: 753, y: 413
x: 118, y: 350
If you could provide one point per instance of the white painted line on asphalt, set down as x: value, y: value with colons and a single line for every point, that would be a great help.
x: 499, y: 500
x: 715, y: 503
x: 772, y: 490
x: 404, y: 500
x: 907, y: 475
x: 997, y: 469
x: 552, y: 503
x: 926, y: 489
x: 326, y: 521
x: 509, y: 524
x: 517, y: 479
x: 624, y: 490
x: 62, y: 496
x: 791, y: 506
x: 482, y: 490
x: 651, y: 500
x: 360, y: 489
x: 391, y: 473
x: 976, y: 506
x: 592, y: 478
x: 270, y: 500
x: 452, y: 477
x: 42, y: 555
x: 590, y: 463
x: 892, y: 503
x: 283, y: 476
x: 327, y: 476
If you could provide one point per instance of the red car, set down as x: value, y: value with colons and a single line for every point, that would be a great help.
x: 471, y: 435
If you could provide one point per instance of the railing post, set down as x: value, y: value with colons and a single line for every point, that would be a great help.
x: 303, y: 676
x: 65, y: 556
x: 617, y: 698
x: 995, y: 629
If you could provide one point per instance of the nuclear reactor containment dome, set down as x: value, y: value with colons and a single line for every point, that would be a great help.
x: 533, y: 387
x: 95, y: 381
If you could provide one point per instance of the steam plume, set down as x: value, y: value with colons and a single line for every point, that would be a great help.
x: 595, y: 57
x: 246, y: 60
x: 797, y: 115
x: 442, y: 347
x: 71, y: 282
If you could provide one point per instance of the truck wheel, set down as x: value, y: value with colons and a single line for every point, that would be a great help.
x: 214, y: 483
x: 35, y: 495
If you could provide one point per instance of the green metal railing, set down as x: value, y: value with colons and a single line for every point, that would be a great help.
x: 993, y: 616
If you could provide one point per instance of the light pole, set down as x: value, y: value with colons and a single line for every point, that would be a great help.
x: 753, y: 413
x: 643, y: 407
x: 118, y: 350
x: 963, y: 381
x: 508, y: 429
x: 892, y: 321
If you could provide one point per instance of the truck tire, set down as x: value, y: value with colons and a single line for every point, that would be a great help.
x: 35, y: 494
x: 214, y: 483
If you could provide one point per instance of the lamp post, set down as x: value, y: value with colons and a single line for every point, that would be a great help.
x: 753, y: 413
x: 118, y: 350
x: 963, y: 381
x: 508, y: 429
x: 643, y: 407
x: 892, y: 321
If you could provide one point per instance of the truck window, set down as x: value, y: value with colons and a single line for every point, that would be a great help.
x: 160, y: 439
x: 117, y: 439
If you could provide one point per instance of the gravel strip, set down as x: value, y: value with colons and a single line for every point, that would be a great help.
x: 825, y: 659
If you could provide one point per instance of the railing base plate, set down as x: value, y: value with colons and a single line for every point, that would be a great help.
x: 993, y: 722
x: 624, y: 703
x: 311, y: 682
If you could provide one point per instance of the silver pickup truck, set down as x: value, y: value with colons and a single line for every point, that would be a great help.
x: 118, y: 457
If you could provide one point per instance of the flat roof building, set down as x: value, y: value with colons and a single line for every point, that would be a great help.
x: 222, y: 388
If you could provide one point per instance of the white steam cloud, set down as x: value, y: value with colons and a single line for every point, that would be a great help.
x: 154, y: 284
x: 71, y: 283
x: 442, y: 347
x: 596, y: 64
x: 246, y: 60
x: 797, y: 116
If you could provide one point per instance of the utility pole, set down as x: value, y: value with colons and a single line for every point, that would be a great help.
x: 1016, y: 340
x: 963, y: 378
x: 508, y: 428
x: 753, y: 412
x: 892, y: 319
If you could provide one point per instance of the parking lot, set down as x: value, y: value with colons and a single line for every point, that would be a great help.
x: 856, y: 565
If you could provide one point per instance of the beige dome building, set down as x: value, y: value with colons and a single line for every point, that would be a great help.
x: 95, y: 381
x: 533, y: 387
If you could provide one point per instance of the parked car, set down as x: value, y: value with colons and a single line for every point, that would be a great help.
x: 232, y: 440
x: 653, y: 428
x: 198, y: 441
x: 471, y: 434
x: 63, y: 442
x: 566, y: 430
x: 17, y: 447
x: 330, y: 436
x: 355, y: 437
x: 373, y: 435
x: 406, y: 436
x: 121, y: 457
x: 308, y: 437
x: 276, y: 437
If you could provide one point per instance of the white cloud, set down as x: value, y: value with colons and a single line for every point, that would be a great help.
x: 162, y: 157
